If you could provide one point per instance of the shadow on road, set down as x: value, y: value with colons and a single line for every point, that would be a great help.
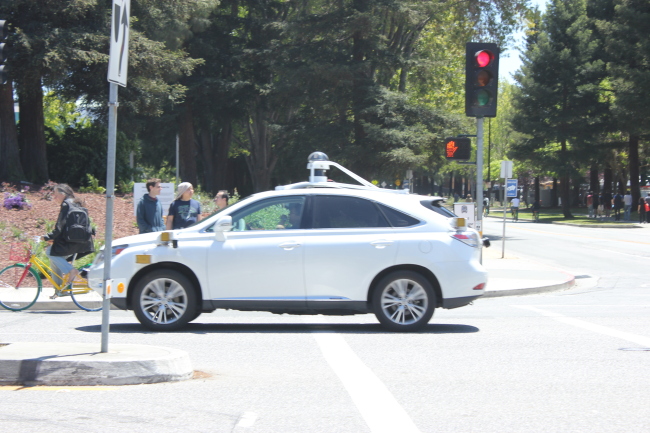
x: 282, y: 328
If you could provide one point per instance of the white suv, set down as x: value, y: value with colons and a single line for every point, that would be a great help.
x: 316, y: 247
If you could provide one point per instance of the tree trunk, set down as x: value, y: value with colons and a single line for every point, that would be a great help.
x: 187, y: 146
x: 607, y: 179
x: 10, y: 168
x: 224, y: 141
x: 565, y: 185
x: 261, y: 160
x: 554, y: 193
x: 536, y: 187
x: 594, y: 182
x: 32, y: 129
x: 633, y: 161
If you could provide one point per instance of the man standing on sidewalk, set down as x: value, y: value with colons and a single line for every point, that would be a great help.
x: 627, y: 205
x: 150, y: 212
x: 590, y: 204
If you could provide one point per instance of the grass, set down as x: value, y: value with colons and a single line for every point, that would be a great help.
x: 550, y: 215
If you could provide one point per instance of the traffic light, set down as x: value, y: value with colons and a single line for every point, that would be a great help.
x: 458, y: 148
x: 4, y: 48
x: 481, y: 79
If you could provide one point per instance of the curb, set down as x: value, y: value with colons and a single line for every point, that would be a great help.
x: 61, y: 364
x: 532, y: 290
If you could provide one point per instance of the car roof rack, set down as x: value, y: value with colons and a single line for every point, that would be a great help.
x: 318, y: 163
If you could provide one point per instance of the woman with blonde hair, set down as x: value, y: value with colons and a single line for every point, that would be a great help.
x: 184, y: 211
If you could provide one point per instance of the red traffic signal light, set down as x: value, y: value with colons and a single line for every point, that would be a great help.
x: 458, y: 148
x: 481, y: 79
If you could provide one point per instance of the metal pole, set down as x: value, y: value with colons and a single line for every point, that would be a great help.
x: 479, y: 176
x: 503, y: 237
x: 110, y: 190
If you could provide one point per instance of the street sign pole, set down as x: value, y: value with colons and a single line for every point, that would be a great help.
x: 110, y: 190
x: 117, y: 75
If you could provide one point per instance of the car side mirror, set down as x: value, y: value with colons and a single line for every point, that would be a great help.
x: 223, y: 225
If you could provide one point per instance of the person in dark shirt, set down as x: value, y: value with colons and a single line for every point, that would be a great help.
x: 149, y: 212
x: 184, y: 211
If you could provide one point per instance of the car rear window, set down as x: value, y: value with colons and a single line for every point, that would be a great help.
x: 397, y: 218
x: 436, y: 205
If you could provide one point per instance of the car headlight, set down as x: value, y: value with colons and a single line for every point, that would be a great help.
x: 115, y: 250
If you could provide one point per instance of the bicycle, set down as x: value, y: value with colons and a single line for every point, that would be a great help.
x: 21, y: 283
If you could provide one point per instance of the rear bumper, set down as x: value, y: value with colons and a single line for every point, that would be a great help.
x: 450, y: 303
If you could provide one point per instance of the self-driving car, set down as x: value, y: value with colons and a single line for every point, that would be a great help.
x: 314, y: 247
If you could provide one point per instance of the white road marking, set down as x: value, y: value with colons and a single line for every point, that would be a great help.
x: 377, y: 405
x: 247, y: 420
x: 638, y: 339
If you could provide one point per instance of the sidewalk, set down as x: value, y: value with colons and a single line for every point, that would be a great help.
x: 513, y: 276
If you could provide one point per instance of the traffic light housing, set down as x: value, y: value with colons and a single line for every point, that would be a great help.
x: 459, y: 148
x: 481, y: 79
x: 4, y: 48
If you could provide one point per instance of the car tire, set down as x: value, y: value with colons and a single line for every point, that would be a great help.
x: 403, y: 301
x: 165, y: 300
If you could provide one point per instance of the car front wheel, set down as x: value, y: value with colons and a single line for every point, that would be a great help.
x: 165, y: 300
x: 403, y: 301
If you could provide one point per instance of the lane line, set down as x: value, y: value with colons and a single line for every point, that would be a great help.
x: 378, y: 407
x: 638, y: 339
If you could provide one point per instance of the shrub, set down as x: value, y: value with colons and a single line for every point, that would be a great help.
x: 16, y: 201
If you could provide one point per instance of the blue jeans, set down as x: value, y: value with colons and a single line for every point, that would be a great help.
x: 626, y: 214
x: 59, y: 265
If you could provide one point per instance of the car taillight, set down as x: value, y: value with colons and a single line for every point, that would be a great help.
x: 468, y: 238
x: 479, y: 287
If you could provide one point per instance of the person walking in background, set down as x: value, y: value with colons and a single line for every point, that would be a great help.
x: 618, y: 205
x: 149, y: 212
x: 590, y: 204
x: 641, y: 209
x: 221, y: 199
x: 61, y: 249
x: 627, y: 205
x: 184, y: 210
x: 596, y: 204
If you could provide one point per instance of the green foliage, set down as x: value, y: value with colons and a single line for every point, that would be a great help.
x: 93, y: 185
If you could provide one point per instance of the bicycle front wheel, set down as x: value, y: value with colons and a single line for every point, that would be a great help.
x: 86, y: 298
x: 19, y: 287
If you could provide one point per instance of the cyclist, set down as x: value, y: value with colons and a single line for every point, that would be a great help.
x: 536, y: 208
x: 514, y: 207
x: 60, y: 250
x: 486, y: 206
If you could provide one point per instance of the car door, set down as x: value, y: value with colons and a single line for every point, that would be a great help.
x: 262, y: 257
x: 350, y: 242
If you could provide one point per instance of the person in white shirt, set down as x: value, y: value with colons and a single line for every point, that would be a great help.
x: 627, y: 205
x: 514, y: 207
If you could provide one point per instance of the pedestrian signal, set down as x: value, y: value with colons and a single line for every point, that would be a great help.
x: 458, y: 148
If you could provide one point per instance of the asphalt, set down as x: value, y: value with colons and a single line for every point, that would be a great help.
x: 65, y: 364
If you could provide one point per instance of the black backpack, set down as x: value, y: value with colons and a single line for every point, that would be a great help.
x: 77, y: 225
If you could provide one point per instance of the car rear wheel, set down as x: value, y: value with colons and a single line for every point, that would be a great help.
x: 165, y: 300
x: 404, y: 301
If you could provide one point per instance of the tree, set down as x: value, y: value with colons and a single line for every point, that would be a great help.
x: 622, y: 25
x: 558, y: 100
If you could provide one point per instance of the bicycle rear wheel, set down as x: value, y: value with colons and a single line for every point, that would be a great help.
x: 25, y: 295
x: 86, y: 298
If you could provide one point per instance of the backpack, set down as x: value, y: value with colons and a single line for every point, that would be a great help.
x: 77, y: 225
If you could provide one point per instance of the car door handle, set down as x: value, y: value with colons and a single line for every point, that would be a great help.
x: 381, y: 243
x: 289, y: 245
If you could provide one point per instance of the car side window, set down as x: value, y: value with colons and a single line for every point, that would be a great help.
x: 279, y: 213
x: 397, y: 218
x: 346, y: 212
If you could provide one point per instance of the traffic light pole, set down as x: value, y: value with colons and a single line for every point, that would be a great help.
x: 479, y: 177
